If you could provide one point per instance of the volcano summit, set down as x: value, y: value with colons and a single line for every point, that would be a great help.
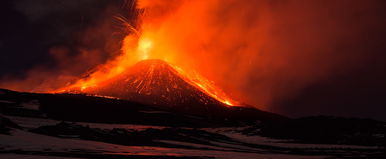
x: 156, y: 82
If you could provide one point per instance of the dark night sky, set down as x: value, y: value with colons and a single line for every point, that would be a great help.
x: 29, y: 29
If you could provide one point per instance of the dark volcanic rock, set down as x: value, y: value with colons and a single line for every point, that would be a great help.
x: 78, y: 107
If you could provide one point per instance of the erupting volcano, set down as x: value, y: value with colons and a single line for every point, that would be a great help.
x: 149, y: 71
x: 192, y: 79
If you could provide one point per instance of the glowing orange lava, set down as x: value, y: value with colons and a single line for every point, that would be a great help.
x: 206, y: 86
x: 148, y: 43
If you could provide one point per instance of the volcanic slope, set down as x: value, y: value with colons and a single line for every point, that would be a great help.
x: 155, y: 82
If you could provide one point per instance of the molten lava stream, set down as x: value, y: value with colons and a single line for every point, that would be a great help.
x: 205, y: 86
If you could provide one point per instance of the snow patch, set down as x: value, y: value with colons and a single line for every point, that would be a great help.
x: 31, y: 105
x: 154, y: 112
x: 26, y: 141
x: 288, y: 143
x: 28, y: 122
x: 17, y: 156
x: 6, y: 101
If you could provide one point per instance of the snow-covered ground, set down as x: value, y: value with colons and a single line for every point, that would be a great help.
x: 282, y: 143
x: 30, y: 142
x: 28, y: 122
x: 24, y: 144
